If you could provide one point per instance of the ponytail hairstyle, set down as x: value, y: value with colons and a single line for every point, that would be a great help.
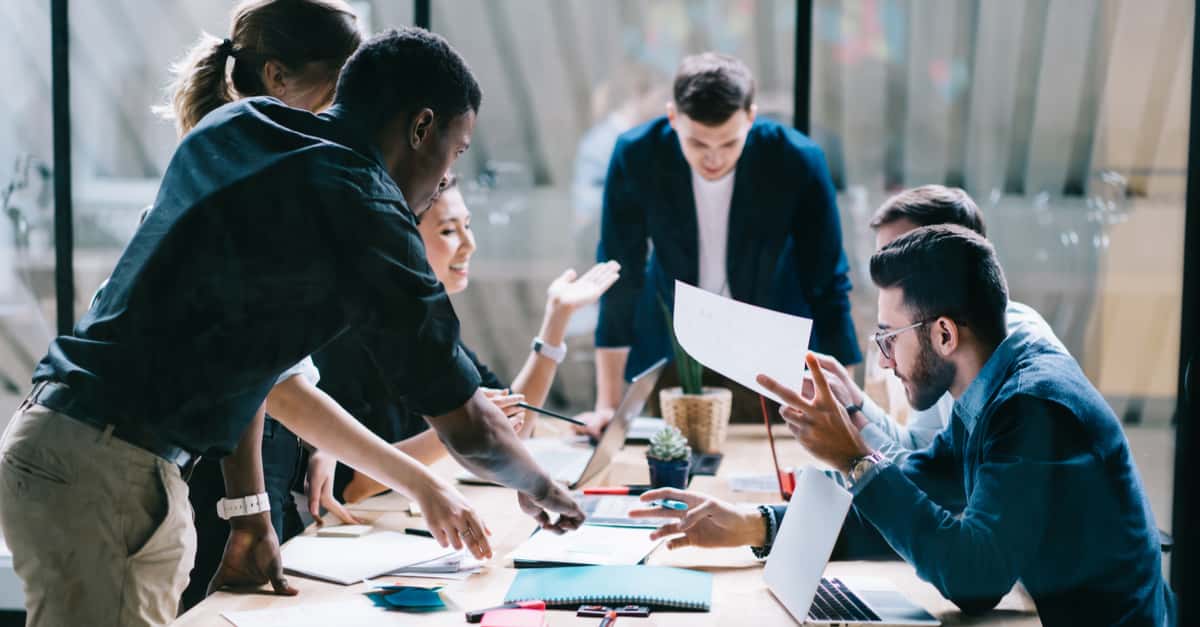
x: 310, y: 37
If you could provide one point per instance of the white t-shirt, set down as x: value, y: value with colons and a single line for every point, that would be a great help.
x: 712, y: 220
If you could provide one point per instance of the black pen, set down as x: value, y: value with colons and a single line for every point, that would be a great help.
x: 413, y: 531
x: 547, y: 412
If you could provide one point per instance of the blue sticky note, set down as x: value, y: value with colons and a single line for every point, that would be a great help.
x: 408, y: 598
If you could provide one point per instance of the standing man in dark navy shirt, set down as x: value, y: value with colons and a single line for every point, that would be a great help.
x: 274, y: 231
x: 714, y: 196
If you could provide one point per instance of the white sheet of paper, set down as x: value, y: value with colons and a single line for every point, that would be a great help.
x: 741, y: 341
x: 588, y: 545
x: 350, y: 560
x: 386, y: 502
x: 352, y: 612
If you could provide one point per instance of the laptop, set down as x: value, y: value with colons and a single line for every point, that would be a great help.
x: 576, y: 464
x: 797, y: 562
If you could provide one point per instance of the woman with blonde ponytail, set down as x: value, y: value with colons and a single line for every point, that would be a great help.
x: 289, y: 49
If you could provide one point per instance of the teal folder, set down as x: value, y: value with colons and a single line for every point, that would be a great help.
x: 660, y: 587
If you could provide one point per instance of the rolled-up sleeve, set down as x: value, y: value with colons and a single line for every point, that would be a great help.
x: 304, y: 368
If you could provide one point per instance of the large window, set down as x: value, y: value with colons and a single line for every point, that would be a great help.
x: 27, y: 294
x: 1068, y: 123
x: 553, y: 106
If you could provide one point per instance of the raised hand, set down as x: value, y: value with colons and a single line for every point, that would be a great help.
x: 572, y: 292
x: 819, y: 422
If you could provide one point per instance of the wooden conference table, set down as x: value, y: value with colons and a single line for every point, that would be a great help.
x: 740, y: 597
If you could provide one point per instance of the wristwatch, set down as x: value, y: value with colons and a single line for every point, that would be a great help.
x: 244, y: 506
x: 859, y: 466
x: 554, y: 353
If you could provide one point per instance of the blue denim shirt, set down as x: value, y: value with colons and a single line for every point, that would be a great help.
x: 1050, y: 496
x: 1032, y: 480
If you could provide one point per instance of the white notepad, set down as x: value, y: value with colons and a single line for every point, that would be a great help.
x: 350, y: 560
x: 589, y: 545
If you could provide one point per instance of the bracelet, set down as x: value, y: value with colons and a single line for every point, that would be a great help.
x: 768, y: 515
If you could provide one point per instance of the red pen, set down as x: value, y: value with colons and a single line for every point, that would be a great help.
x: 475, y: 616
x: 609, y: 619
x: 633, y: 490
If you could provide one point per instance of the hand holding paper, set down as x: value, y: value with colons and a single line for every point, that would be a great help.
x: 820, y: 423
x: 739, y: 340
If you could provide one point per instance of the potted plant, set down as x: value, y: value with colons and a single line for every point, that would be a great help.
x: 700, y: 413
x: 670, y: 458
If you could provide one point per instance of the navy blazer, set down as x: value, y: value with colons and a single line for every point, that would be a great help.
x: 784, y: 250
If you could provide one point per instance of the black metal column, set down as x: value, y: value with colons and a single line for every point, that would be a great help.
x: 1185, y: 558
x: 802, y: 87
x: 422, y: 14
x: 64, y: 240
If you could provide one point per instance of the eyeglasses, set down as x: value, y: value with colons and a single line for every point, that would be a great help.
x: 885, y: 340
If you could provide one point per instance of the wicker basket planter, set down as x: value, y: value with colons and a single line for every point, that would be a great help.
x: 703, y: 418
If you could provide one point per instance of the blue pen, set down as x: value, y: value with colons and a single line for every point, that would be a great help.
x: 670, y: 504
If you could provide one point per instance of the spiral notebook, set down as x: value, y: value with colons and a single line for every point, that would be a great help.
x: 659, y: 587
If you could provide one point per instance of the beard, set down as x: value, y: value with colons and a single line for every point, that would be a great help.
x: 930, y: 378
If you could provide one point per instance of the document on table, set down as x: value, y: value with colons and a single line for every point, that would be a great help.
x: 457, y: 566
x: 589, y: 545
x: 350, y: 560
x: 353, y: 612
x: 741, y: 341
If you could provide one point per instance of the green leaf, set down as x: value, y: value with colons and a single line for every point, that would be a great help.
x: 691, y: 373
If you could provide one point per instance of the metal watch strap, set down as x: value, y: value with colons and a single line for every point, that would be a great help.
x: 874, y: 457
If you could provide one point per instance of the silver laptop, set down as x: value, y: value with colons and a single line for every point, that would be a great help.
x: 572, y: 464
x: 797, y: 562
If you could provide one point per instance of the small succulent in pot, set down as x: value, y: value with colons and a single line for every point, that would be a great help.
x: 669, y: 457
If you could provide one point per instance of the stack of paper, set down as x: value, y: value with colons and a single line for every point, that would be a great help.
x: 350, y: 560
x: 456, y: 566
x: 589, y: 545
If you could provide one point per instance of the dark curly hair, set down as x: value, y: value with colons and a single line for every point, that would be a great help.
x: 404, y: 70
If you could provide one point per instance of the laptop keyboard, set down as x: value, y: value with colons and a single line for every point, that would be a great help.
x: 834, y: 601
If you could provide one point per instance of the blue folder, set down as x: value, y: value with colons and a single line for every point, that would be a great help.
x: 659, y: 587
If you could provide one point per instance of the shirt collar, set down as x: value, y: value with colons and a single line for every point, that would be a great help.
x: 971, y: 404
x: 351, y: 131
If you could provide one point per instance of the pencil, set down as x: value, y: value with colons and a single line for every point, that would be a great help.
x: 547, y: 412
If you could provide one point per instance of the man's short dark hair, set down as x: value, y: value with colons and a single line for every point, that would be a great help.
x: 710, y: 87
x: 947, y: 270
x: 404, y: 70
x: 931, y: 204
